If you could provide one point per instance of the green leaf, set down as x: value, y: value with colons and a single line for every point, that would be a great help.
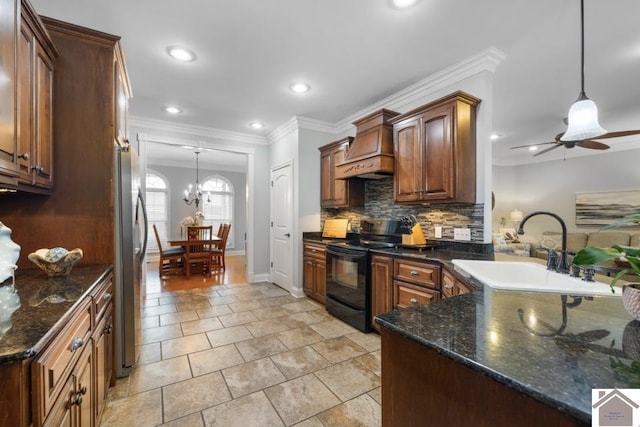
x: 593, y: 255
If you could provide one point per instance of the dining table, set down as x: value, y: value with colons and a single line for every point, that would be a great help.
x: 183, y: 241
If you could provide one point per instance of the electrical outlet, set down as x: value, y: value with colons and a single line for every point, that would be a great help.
x: 438, y: 231
x: 462, y: 234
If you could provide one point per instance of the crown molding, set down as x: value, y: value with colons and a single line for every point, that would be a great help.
x: 284, y: 129
x: 486, y: 60
x: 201, y: 131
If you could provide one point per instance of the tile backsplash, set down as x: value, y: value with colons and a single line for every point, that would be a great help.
x: 379, y: 204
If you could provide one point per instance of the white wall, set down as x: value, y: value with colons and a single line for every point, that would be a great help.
x: 552, y: 186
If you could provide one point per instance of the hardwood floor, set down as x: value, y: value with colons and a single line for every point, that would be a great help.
x: 235, y: 273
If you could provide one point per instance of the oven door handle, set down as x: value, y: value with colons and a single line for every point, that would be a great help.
x: 346, y: 253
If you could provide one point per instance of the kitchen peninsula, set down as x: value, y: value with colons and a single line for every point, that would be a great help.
x: 501, y: 358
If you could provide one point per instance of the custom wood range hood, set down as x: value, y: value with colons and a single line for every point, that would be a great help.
x: 370, y: 154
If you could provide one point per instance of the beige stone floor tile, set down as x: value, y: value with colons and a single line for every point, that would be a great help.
x: 216, y: 310
x: 281, y: 300
x: 376, y: 394
x: 310, y: 317
x: 304, y: 305
x: 235, y: 319
x: 362, y: 411
x: 241, y: 306
x: 299, y: 337
x: 230, y: 335
x: 252, y: 376
x: 372, y: 361
x: 270, y: 312
x: 194, y: 395
x: 267, y: 327
x: 348, y: 379
x: 192, y: 420
x: 145, y: 408
x: 292, y: 407
x: 184, y: 345
x: 150, y: 322
x: 165, y: 299
x: 149, y: 353
x: 158, y: 374
x: 370, y: 342
x: 277, y: 292
x: 261, y: 347
x: 180, y: 316
x: 150, y: 302
x: 201, y: 325
x: 333, y: 328
x: 204, y: 362
x: 299, y: 362
x: 250, y: 295
x: 248, y: 411
x: 311, y: 422
x: 193, y: 305
x: 159, y: 309
x: 336, y: 350
x: 161, y: 333
x: 120, y: 390
x: 226, y: 299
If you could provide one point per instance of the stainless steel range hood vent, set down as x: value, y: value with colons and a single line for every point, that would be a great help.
x: 370, y: 154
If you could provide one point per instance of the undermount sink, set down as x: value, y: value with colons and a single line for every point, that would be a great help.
x: 530, y: 277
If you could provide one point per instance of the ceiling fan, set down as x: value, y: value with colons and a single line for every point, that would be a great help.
x: 585, y: 143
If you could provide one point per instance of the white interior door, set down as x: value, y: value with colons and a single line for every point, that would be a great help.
x: 281, y: 213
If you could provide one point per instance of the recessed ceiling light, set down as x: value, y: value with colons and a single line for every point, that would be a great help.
x: 403, y: 4
x: 533, y: 148
x: 173, y: 110
x: 495, y: 136
x: 299, y: 87
x: 188, y: 147
x: 256, y: 125
x: 181, y: 54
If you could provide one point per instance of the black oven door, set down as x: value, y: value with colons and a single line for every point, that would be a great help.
x: 348, y: 289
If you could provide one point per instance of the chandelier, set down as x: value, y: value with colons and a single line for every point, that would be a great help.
x: 193, y: 194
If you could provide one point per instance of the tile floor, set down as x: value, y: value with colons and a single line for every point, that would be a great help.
x: 246, y: 355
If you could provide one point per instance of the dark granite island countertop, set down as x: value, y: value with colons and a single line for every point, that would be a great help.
x: 39, y: 318
x: 550, y: 347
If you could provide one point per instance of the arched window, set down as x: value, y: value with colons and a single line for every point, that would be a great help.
x: 220, y: 210
x: 157, y: 210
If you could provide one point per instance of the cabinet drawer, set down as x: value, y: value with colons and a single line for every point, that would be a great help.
x: 51, y: 369
x: 101, y: 299
x: 316, y: 250
x: 418, y: 273
x: 407, y: 295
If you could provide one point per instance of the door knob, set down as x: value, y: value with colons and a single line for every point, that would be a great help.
x: 287, y: 235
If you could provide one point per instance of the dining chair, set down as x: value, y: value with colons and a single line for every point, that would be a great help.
x: 198, y: 252
x: 171, y: 260
x: 218, y: 253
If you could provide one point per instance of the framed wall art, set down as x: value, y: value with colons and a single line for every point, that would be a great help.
x: 605, y: 208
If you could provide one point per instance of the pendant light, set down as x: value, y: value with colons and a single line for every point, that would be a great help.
x: 583, y: 114
x: 194, y: 193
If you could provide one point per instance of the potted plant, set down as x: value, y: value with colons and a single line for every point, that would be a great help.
x: 626, y: 257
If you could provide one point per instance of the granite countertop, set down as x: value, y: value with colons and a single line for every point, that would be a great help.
x: 521, y: 340
x: 39, y: 318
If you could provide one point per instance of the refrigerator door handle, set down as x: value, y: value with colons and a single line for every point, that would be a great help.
x: 146, y: 225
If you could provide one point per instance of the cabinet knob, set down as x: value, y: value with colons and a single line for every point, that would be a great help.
x: 413, y: 301
x: 448, y: 286
x: 77, y: 401
x: 76, y: 344
x: 24, y: 156
x: 414, y: 273
x: 314, y: 250
x: 106, y: 296
x: 38, y: 169
x: 107, y: 329
x: 82, y: 390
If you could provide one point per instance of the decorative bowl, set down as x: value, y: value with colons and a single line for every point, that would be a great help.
x: 55, y: 261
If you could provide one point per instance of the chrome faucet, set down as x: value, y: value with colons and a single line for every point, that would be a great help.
x: 562, y: 266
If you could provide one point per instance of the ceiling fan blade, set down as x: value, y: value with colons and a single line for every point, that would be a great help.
x: 619, y: 134
x: 548, y: 149
x: 594, y: 145
x: 533, y: 145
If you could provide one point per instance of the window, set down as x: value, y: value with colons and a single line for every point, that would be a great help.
x: 156, y: 210
x: 220, y: 210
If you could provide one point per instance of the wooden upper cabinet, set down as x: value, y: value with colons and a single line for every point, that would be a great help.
x: 435, y: 152
x: 36, y: 54
x: 8, y: 25
x: 338, y: 193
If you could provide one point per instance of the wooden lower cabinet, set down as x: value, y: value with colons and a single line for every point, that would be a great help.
x: 381, y: 283
x: 407, y: 295
x: 314, y: 271
x: 451, y: 286
x: 71, y: 376
x: 422, y: 387
x: 415, y: 282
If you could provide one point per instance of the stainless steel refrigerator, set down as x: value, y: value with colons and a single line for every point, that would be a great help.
x: 131, y: 241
